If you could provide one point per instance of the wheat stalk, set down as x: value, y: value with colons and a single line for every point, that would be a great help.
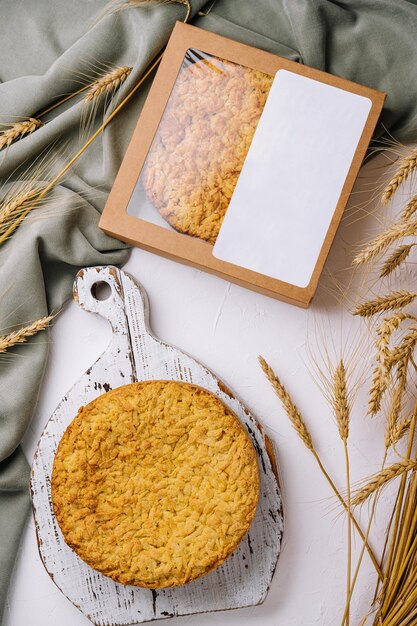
x: 410, y: 209
x: 108, y: 83
x: 340, y: 402
x: 394, y: 300
x: 395, y: 260
x: 18, y: 130
x: 22, y: 335
x: 385, y: 239
x: 302, y: 430
x: 407, y: 165
x: 379, y: 480
x: 16, y: 203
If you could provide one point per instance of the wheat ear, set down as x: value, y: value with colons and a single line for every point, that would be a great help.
x: 381, y: 373
x: 340, y: 401
x: 18, y: 130
x: 391, y: 432
x: 108, y: 83
x: 22, y: 335
x: 379, y: 480
x: 299, y: 425
x: 13, y: 205
x: 395, y: 259
x: 114, y: 6
x: 404, y: 348
x: 385, y: 239
x: 399, y: 430
x: 290, y: 408
x: 410, y: 209
x: 394, y: 300
x: 407, y: 165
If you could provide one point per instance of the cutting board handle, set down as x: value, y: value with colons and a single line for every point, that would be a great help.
x: 89, y: 293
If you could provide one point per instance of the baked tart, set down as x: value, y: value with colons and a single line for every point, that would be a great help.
x: 155, y: 483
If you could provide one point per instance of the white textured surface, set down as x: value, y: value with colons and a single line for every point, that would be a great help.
x: 226, y: 327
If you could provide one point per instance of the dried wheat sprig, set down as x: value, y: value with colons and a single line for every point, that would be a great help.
x: 18, y: 130
x: 405, y: 348
x: 391, y: 432
x: 22, y: 335
x: 341, y: 408
x: 376, y: 482
x: 290, y: 408
x: 407, y: 165
x: 340, y: 401
x: 108, y: 83
x: 399, y: 431
x: 394, y: 300
x: 410, y: 209
x: 301, y: 429
x: 381, y: 374
x: 385, y: 239
x: 395, y: 259
x: 114, y: 6
x: 14, y: 204
x: 81, y: 151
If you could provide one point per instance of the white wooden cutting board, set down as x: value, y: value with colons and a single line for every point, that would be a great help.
x: 135, y: 354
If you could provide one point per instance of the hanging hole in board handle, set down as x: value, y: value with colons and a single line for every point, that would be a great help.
x: 101, y: 290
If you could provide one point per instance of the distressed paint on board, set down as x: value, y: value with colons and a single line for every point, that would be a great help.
x: 135, y: 354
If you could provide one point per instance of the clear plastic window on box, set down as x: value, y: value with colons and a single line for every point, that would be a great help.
x: 198, y: 151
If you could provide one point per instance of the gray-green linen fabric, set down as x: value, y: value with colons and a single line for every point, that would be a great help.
x: 52, y: 47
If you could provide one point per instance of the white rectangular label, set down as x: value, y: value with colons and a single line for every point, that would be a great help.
x: 292, y: 178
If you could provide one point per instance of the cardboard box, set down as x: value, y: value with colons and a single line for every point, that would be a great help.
x: 301, y: 165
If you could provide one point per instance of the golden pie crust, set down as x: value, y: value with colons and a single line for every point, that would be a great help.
x: 155, y: 483
x: 202, y: 141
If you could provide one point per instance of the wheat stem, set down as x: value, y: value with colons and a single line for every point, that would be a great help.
x: 399, y: 502
x: 407, y: 515
x: 22, y: 335
x: 349, y: 536
x: 363, y: 548
x: 407, y: 165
